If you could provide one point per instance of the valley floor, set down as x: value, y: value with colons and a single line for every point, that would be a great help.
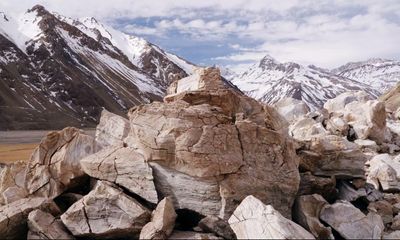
x: 19, y: 145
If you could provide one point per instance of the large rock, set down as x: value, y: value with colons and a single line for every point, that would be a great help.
x: 382, y: 174
x: 347, y: 192
x: 384, y: 209
x: 210, y: 149
x: 12, y: 182
x: 54, y: 166
x: 338, y: 103
x: 324, y: 186
x: 392, y: 98
x: 162, y: 221
x: 306, y: 212
x: 332, y: 155
x: 112, y: 129
x: 13, y: 216
x: 254, y: 220
x: 305, y: 129
x: 125, y: 167
x: 218, y: 226
x: 291, y: 108
x: 350, y: 222
x: 43, y: 225
x: 106, y: 212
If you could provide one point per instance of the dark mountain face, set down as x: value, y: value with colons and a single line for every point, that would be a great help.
x: 62, y: 76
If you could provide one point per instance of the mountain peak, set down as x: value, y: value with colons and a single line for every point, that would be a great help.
x: 39, y: 9
x: 267, y: 60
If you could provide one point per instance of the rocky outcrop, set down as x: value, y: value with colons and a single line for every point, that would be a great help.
x: 43, y: 225
x: 111, y: 130
x: 350, y: 222
x: 106, y: 212
x: 219, y: 142
x: 125, y: 167
x: 254, y: 220
x: 306, y: 212
x: 14, y: 216
x: 54, y: 166
x: 162, y: 221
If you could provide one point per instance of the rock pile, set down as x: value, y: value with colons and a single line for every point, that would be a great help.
x: 211, y: 163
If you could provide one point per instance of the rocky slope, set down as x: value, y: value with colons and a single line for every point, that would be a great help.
x: 270, y: 81
x: 215, y: 165
x: 56, y: 68
x: 380, y: 74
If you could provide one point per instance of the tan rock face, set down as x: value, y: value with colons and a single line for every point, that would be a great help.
x: 210, y: 149
x: 54, y: 165
x: 111, y: 130
x: 125, y: 167
x: 106, y: 212
x: 254, y: 220
x: 306, y: 212
x: 12, y: 181
x: 13, y: 216
x: 162, y: 221
x: 43, y: 225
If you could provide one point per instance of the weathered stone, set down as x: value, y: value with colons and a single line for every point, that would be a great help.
x: 338, y: 103
x: 395, y: 223
x: 106, y: 212
x: 111, y: 130
x: 337, y: 126
x: 332, y: 156
x: 384, y: 209
x: 305, y: 129
x: 349, y: 221
x: 162, y: 221
x: 291, y: 108
x: 13, y: 216
x: 12, y: 180
x: 324, y: 186
x: 306, y: 211
x: 392, y: 235
x: 217, y: 226
x: 372, y: 193
x: 358, y: 183
x: 348, y: 193
x: 125, y: 167
x: 382, y: 174
x: 396, y: 208
x: 54, y: 166
x: 253, y: 219
x: 192, y: 235
x: 367, y: 144
x: 43, y: 225
x: 209, y: 150
x: 392, y: 98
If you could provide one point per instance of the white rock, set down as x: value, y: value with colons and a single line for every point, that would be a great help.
x: 112, y: 129
x: 382, y: 173
x: 291, y: 108
x: 338, y: 103
x: 43, y: 225
x: 254, y: 220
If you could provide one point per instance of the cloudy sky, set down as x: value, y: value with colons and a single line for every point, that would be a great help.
x: 236, y: 33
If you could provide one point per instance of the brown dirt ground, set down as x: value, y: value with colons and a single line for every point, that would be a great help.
x: 14, y: 152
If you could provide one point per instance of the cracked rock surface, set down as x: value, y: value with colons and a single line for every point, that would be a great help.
x: 43, y: 225
x: 125, y: 167
x: 111, y: 130
x: 106, y: 212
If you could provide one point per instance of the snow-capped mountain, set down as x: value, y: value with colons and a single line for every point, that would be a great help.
x: 57, y: 71
x: 380, y: 74
x: 269, y: 81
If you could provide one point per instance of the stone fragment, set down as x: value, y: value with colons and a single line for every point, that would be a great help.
x: 162, y: 221
x: 306, y: 211
x: 12, y: 180
x: 217, y: 226
x: 106, y: 212
x: 252, y: 219
x: 111, y: 130
x: 184, y: 235
x: 395, y: 223
x: 348, y: 193
x: 382, y: 174
x: 43, y: 225
x: 384, y: 209
x: 125, y: 167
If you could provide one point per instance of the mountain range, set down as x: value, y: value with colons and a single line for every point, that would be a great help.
x: 57, y: 71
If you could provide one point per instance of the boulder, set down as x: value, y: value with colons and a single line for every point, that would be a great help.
x: 382, y: 174
x: 125, y: 167
x: 384, y: 209
x: 332, y: 155
x: 111, y: 130
x: 367, y: 144
x: 12, y: 180
x: 106, y: 212
x: 217, y: 226
x: 254, y: 220
x: 348, y: 193
x: 350, y: 222
x: 324, y: 186
x: 43, y: 225
x: 338, y: 103
x: 337, y: 126
x: 210, y: 149
x: 305, y: 129
x: 392, y: 98
x: 13, y: 216
x: 162, y: 221
x: 291, y: 108
x: 306, y: 211
x: 392, y: 235
x: 184, y: 235
x: 395, y: 223
x: 54, y: 166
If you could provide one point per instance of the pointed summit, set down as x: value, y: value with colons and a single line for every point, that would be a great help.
x: 268, y: 60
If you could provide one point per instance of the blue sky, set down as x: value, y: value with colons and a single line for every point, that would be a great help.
x: 237, y: 33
